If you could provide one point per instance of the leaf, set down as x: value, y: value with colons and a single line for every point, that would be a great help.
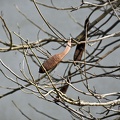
x: 53, y: 61
x: 79, y: 52
x: 80, y: 47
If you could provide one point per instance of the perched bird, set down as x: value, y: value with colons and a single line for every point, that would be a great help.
x: 53, y: 61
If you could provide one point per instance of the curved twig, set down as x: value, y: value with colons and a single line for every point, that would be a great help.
x: 10, y: 36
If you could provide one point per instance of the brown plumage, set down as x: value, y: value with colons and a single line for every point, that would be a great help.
x: 53, y: 61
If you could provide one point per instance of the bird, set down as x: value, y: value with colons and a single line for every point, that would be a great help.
x: 54, y: 60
